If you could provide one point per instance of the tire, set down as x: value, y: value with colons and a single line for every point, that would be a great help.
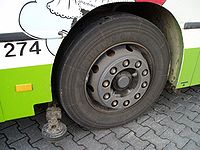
x: 89, y: 47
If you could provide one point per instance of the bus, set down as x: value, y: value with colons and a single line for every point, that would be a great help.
x: 103, y: 61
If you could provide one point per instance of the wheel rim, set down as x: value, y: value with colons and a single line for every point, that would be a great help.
x: 119, y: 77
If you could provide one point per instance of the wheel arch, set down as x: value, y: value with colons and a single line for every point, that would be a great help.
x: 156, y: 14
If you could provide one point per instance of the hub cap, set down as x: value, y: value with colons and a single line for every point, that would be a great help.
x: 119, y: 77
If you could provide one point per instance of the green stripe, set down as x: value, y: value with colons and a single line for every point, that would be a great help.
x: 1, y: 114
x: 20, y: 104
x: 190, y: 73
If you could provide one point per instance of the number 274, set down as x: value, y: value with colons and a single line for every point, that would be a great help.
x: 11, y: 48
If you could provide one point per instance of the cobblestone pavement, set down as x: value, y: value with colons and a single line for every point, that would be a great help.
x: 172, y: 123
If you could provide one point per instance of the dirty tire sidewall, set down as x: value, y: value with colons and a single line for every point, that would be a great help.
x: 88, y: 45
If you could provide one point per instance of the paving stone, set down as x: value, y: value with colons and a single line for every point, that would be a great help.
x: 160, y: 108
x: 188, y: 133
x: 184, y: 96
x: 40, y: 118
x: 184, y: 90
x: 174, y: 115
x: 171, y: 146
x: 169, y: 96
x: 191, y: 115
x: 33, y: 132
x: 100, y: 133
x: 6, y: 124
x: 77, y: 132
x: 130, y: 148
x: 184, y: 102
x: 22, y: 144
x: 142, y: 118
x: 137, y: 128
x: 155, y: 115
x: 191, y: 146
x: 113, y: 142
x: 174, y: 120
x: 192, y: 92
x: 195, y: 108
x: 120, y: 131
x: 195, y: 88
x: 69, y: 143
x: 46, y: 145
x: 195, y: 100
x: 169, y: 104
x: 12, y: 133
x: 150, y: 147
x: 1, y: 136
x: 3, y: 145
x: 159, y: 129
x: 154, y: 139
x: 194, y: 125
x: 175, y: 138
x: 168, y: 112
x: 137, y: 143
x: 90, y: 143
x: 172, y: 124
x: 197, y: 119
x: 24, y: 123
x: 108, y: 148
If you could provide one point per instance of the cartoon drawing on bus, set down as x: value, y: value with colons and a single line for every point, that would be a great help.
x: 42, y: 24
x: 65, y: 8
x: 52, y: 17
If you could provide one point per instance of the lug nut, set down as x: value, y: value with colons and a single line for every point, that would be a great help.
x: 114, y: 103
x: 144, y: 84
x: 134, y: 75
x: 145, y: 72
x: 137, y: 96
x: 106, y: 96
x: 113, y: 70
x: 126, y: 103
x: 106, y: 83
x: 126, y: 63
x: 138, y: 64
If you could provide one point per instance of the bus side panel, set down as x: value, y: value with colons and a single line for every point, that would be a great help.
x: 196, y: 75
x: 1, y: 114
x: 17, y: 99
x: 189, y: 68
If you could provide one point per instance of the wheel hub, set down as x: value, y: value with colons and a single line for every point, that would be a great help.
x: 118, y: 78
x: 122, y: 80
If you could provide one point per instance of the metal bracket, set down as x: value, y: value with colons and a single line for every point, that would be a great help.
x: 54, y: 128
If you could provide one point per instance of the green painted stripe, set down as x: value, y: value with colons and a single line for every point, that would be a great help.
x: 190, y: 68
x: 1, y: 114
x: 20, y: 104
x: 196, y: 74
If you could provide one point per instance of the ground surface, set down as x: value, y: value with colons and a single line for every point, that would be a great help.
x: 172, y: 123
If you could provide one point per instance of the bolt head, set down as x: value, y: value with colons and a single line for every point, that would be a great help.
x: 106, y: 96
x: 144, y: 84
x: 145, y: 72
x: 106, y: 83
x: 126, y: 103
x: 137, y: 96
x: 138, y: 64
x: 114, y: 103
x: 126, y: 63
x: 134, y: 75
x: 113, y: 70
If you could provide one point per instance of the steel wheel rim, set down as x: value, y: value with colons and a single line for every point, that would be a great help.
x: 119, y: 77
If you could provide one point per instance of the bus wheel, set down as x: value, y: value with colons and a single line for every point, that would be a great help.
x: 113, y: 71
